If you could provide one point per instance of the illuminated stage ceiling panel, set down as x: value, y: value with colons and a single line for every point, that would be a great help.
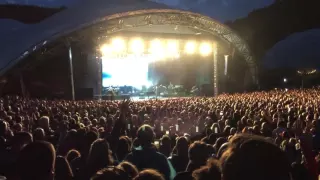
x: 170, y: 29
x: 115, y: 16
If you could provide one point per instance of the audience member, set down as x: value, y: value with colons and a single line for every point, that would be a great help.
x: 259, y: 135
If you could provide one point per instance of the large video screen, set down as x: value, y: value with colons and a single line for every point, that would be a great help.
x: 128, y: 71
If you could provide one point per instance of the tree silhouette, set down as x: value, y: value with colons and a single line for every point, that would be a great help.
x: 27, y: 14
x: 263, y: 28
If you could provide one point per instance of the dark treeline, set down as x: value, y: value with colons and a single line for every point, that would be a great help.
x: 263, y: 28
x: 27, y: 14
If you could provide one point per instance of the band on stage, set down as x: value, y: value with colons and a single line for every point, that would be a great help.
x: 156, y: 91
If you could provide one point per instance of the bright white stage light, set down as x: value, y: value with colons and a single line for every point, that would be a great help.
x: 156, y: 49
x: 137, y: 46
x: 106, y: 50
x: 177, y: 56
x: 118, y: 45
x: 190, y: 47
x: 173, y: 47
x: 155, y: 46
x: 205, y: 49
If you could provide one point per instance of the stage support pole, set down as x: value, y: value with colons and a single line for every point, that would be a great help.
x: 215, y: 70
x: 99, y: 62
x: 71, y: 71
x: 22, y: 85
x: 226, y: 76
x: 226, y: 59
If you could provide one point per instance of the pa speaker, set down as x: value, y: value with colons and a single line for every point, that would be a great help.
x: 84, y: 94
x: 206, y: 90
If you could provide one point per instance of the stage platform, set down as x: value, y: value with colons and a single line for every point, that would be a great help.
x: 136, y: 98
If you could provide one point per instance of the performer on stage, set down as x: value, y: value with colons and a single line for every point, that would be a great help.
x: 194, y: 91
x: 111, y: 93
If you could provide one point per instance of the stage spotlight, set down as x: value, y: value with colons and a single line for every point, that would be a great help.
x: 106, y: 50
x: 172, y: 47
x: 177, y: 56
x: 156, y: 49
x: 155, y: 46
x: 118, y: 45
x: 137, y: 46
x: 190, y: 47
x: 205, y: 49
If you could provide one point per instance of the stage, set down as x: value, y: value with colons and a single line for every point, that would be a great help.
x: 138, y: 98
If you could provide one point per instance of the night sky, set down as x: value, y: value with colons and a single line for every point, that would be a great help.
x: 219, y: 9
x: 304, y: 45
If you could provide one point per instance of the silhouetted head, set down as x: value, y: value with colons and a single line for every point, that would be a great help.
x: 62, y: 169
x: 73, y: 154
x: 123, y: 148
x: 21, y: 139
x: 129, y: 168
x: 39, y: 134
x: 3, y: 128
x: 182, y: 146
x: 198, y: 152
x: 44, y: 122
x: 115, y: 173
x: 252, y: 157
x: 99, y: 156
x: 145, y: 135
x: 149, y: 174
x: 36, y: 161
x: 209, y: 172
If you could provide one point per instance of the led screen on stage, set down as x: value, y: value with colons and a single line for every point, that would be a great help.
x: 128, y: 71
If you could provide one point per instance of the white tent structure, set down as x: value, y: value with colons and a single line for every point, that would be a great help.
x: 115, y: 16
x: 18, y: 45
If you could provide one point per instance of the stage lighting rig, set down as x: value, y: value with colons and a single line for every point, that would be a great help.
x: 118, y: 45
x: 173, y: 47
x: 106, y: 50
x: 190, y: 47
x: 137, y: 46
x: 157, y: 49
x: 205, y: 49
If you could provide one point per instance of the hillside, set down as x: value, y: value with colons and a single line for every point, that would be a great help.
x: 263, y: 28
x: 27, y: 14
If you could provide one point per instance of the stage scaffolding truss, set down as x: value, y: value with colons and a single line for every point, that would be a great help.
x: 196, y: 25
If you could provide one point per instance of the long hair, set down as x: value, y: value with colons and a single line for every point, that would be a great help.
x: 62, y: 169
x: 99, y: 156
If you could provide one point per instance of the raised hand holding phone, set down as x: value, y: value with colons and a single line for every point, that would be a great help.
x: 216, y: 130
x: 124, y: 106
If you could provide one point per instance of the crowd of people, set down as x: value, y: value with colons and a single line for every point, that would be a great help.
x: 272, y: 135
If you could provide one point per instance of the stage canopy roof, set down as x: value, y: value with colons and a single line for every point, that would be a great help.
x: 115, y: 16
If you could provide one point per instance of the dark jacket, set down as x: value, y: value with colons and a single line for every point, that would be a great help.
x: 179, y: 162
x: 149, y: 158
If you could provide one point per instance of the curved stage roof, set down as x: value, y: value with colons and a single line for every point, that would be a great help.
x: 119, y: 15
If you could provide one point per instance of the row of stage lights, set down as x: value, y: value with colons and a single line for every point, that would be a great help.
x: 156, y: 47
